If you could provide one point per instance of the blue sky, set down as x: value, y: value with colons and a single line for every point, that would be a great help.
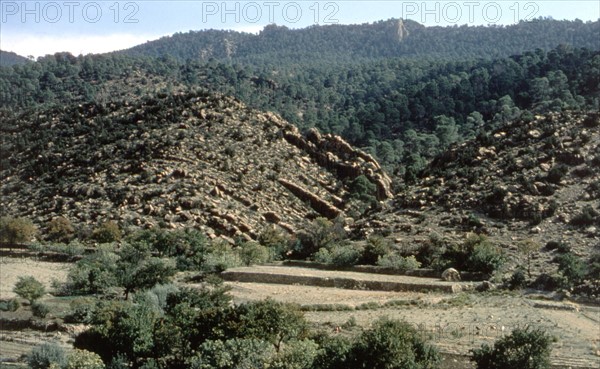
x: 79, y: 26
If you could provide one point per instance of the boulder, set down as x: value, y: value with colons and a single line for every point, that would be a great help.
x: 451, y: 275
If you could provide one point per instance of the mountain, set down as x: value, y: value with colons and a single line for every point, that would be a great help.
x: 178, y: 160
x: 8, y: 58
x: 531, y: 179
x: 279, y: 45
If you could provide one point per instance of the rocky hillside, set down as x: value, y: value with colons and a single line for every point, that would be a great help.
x: 535, y: 179
x: 177, y: 160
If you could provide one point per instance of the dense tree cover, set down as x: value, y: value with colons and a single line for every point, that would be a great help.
x: 201, y: 328
x: 279, y: 46
x: 402, y: 110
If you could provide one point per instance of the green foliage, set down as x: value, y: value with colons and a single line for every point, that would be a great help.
x: 107, y: 232
x: 364, y: 190
x: 272, y: 321
x: 475, y: 254
x: 296, y: 354
x: 95, y: 273
x: 45, y: 355
x: 277, y: 242
x: 376, y: 247
x: 571, y: 267
x: 254, y: 253
x: 237, y: 353
x: 39, y: 309
x: 143, y: 273
x: 321, y: 233
x: 60, y: 229
x: 391, y: 344
x: 83, y: 359
x: 517, y: 279
x: 398, y: 262
x: 16, y: 230
x: 333, y: 353
x: 527, y: 248
x: 523, y: 348
x: 29, y: 288
x: 80, y: 310
x: 10, y: 305
x: 587, y: 217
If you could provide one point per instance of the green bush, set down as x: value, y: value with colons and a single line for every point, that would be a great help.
x: 39, y: 309
x: 16, y: 230
x: 476, y: 254
x: 254, y: 253
x: 517, y: 279
x: 107, y: 232
x: 571, y: 267
x: 83, y: 359
x: 10, y: 305
x: 81, y: 310
x: 60, y: 229
x: 29, y: 288
x: 586, y: 217
x: 376, y: 247
x: 391, y: 344
x: 45, y: 355
x: 398, y: 262
x: 523, y: 349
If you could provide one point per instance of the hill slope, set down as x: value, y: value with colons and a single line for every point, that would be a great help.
x: 8, y: 58
x: 383, y: 39
x: 180, y: 160
x: 535, y: 179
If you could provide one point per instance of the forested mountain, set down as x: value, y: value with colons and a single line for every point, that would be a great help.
x: 278, y: 45
x: 402, y: 111
x: 8, y: 58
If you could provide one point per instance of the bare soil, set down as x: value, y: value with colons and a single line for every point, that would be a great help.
x: 13, y: 268
x: 455, y: 323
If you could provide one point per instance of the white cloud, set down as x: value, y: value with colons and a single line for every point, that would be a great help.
x: 37, y: 45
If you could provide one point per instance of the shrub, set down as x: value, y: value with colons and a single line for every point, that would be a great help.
x: 376, y: 247
x: 83, y: 359
x: 275, y: 241
x: 107, y: 232
x: 391, y: 344
x: 523, y: 349
x: 571, y: 267
x: 398, y: 262
x: 586, y: 217
x: 39, y: 309
x: 517, y: 279
x: 95, y: 273
x: 81, y: 310
x: 232, y: 354
x: 345, y: 255
x: 254, y: 253
x: 60, y: 229
x: 16, y: 230
x: 475, y: 254
x: 560, y: 247
x: 29, y: 288
x: 45, y: 355
x: 556, y: 173
x: 364, y: 190
x: 10, y: 305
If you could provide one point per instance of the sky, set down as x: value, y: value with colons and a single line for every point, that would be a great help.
x: 38, y: 28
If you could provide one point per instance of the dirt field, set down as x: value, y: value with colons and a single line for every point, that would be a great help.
x: 456, y: 323
x: 12, y: 268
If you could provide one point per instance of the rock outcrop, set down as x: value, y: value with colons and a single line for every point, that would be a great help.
x: 182, y: 160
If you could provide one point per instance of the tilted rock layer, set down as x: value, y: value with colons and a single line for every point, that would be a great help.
x: 186, y: 160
